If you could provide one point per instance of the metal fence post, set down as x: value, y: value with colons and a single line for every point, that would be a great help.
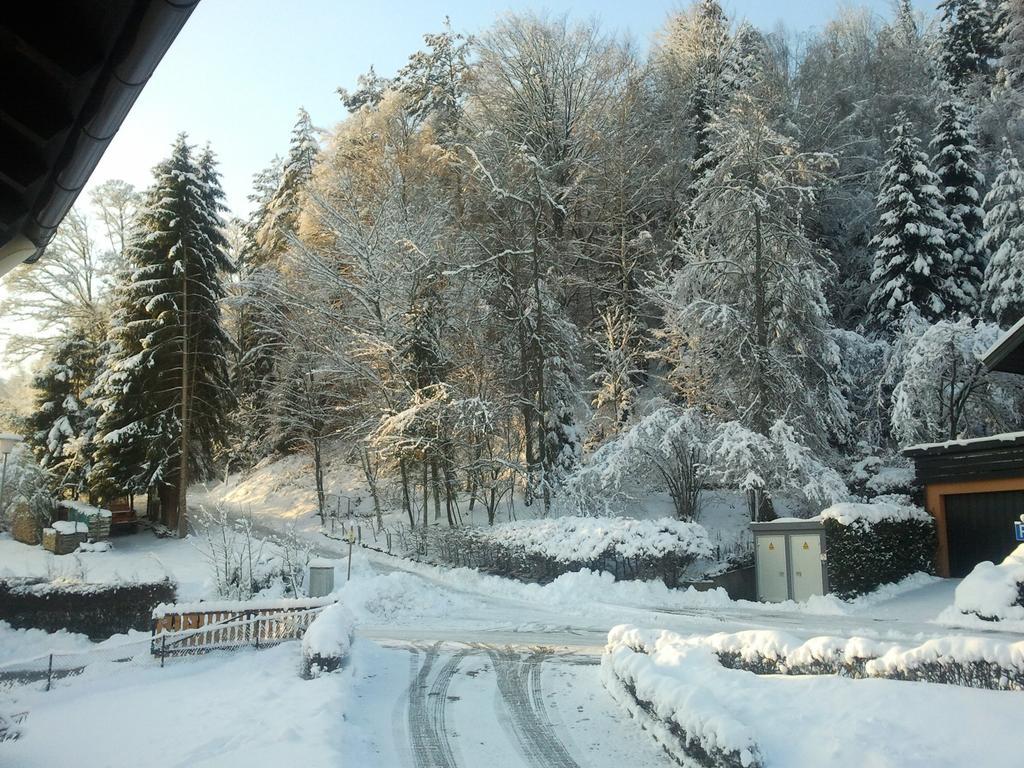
x: 163, y: 650
x: 49, y: 672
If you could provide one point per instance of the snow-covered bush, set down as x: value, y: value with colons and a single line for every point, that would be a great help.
x: 957, y: 660
x: 326, y: 643
x: 868, y: 545
x: 664, y: 449
x: 670, y: 688
x: 243, y: 564
x: 542, y: 550
x: 744, y: 459
x: 681, y: 451
x: 994, y: 592
x: 632, y: 549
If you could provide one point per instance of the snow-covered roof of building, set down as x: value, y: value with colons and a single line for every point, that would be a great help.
x: 1007, y: 354
x: 967, y: 444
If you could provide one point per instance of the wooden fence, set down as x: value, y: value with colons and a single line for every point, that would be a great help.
x: 195, y: 631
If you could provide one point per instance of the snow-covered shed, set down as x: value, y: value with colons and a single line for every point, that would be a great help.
x: 975, y: 488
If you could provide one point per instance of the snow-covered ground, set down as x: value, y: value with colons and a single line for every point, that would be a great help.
x: 282, y: 492
x: 134, y: 558
x: 451, y: 667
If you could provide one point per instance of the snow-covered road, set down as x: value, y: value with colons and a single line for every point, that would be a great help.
x: 461, y: 705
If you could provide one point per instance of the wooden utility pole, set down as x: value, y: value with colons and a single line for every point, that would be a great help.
x: 183, y: 469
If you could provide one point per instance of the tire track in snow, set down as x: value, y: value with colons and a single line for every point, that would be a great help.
x: 519, y: 684
x: 427, y: 722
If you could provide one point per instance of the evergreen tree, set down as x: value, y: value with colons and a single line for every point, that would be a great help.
x: 166, y: 321
x: 61, y: 427
x: 1010, y: 31
x: 967, y: 40
x: 281, y: 212
x: 711, y: 62
x: 1003, y: 290
x: 956, y: 164
x: 911, y: 258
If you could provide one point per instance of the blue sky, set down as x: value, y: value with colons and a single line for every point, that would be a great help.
x: 240, y: 69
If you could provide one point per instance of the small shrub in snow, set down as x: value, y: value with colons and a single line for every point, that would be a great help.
x: 243, y: 564
x: 994, y: 592
x: 868, y: 545
x: 326, y: 643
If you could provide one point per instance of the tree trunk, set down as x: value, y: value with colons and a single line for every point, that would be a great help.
x: 406, y: 501
x: 318, y: 471
x: 182, y: 521
x: 426, y: 497
x: 435, y: 483
x: 761, y: 328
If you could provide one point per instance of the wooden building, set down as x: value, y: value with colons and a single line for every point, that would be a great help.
x: 975, y: 488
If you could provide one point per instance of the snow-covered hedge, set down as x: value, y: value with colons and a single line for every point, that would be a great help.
x: 326, y: 643
x: 956, y: 660
x: 96, y: 610
x: 670, y: 689
x: 542, y: 550
x: 873, y: 544
x: 994, y: 592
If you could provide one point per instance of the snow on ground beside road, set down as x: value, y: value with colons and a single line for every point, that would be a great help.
x: 282, y: 492
x: 582, y: 590
x: 224, y: 710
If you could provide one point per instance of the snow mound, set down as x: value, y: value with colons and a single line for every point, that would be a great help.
x: 994, y: 592
x: 327, y: 642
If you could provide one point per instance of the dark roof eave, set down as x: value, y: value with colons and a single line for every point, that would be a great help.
x: 139, y: 49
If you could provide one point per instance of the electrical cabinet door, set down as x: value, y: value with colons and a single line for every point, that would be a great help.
x: 805, y: 560
x: 772, y: 579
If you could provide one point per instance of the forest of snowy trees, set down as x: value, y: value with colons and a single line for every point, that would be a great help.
x: 534, y: 261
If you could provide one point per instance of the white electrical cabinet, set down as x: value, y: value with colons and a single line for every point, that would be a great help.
x: 789, y: 559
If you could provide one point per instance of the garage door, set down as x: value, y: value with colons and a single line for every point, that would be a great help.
x: 979, y: 526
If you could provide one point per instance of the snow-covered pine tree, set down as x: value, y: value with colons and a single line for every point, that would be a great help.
x: 956, y: 164
x: 710, y: 62
x: 911, y: 258
x: 61, y: 427
x: 282, y: 209
x: 435, y: 79
x: 967, y: 44
x: 1003, y: 290
x: 1010, y: 29
x: 175, y: 259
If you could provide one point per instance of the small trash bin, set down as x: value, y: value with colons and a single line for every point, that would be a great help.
x: 321, y: 578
